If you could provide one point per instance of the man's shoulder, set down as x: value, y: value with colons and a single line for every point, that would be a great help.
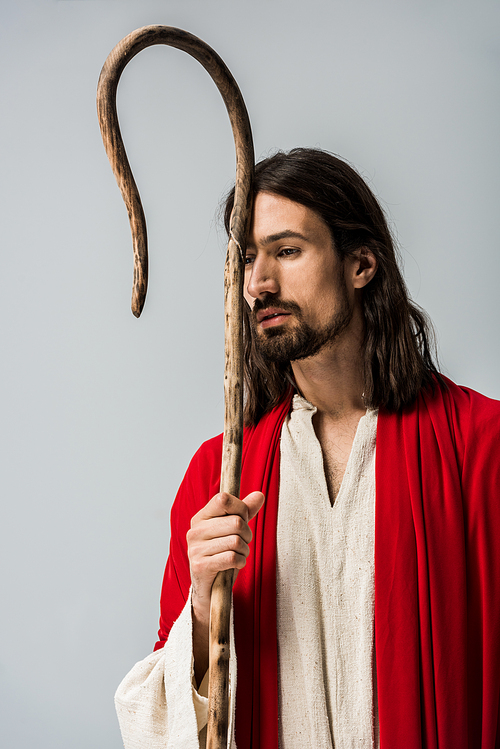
x: 479, y: 410
x: 472, y: 418
x: 448, y: 414
x: 207, y: 459
x: 209, y: 449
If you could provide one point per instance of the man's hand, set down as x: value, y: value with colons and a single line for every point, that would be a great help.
x: 218, y: 540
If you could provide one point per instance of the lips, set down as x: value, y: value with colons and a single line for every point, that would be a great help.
x: 270, y: 313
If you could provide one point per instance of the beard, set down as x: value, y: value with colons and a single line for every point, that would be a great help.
x: 281, y: 345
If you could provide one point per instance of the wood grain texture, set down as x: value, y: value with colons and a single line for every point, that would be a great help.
x: 119, y: 57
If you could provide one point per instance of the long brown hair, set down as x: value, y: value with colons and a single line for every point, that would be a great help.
x: 399, y: 348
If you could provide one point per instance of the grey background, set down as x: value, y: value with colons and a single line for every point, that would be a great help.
x: 100, y: 412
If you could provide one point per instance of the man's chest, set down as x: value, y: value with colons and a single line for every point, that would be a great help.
x: 336, y: 441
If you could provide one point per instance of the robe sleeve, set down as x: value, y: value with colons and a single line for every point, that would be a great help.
x: 156, y: 703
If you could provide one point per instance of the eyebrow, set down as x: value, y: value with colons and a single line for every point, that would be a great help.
x: 285, y: 234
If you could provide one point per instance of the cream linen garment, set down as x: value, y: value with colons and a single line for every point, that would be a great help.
x: 325, y: 591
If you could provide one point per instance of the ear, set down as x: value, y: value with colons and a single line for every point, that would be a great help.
x: 364, y: 267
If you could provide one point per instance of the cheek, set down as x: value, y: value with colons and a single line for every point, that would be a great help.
x: 326, y: 301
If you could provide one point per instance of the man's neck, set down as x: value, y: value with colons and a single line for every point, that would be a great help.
x: 333, y: 379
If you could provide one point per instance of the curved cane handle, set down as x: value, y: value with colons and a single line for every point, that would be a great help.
x: 112, y: 69
x: 130, y: 46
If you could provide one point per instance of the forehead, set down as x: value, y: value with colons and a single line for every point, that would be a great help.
x: 275, y: 217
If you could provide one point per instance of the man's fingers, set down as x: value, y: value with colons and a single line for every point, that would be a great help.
x: 219, y: 506
x: 219, y: 527
x: 205, y: 548
x: 254, y: 502
x: 225, y: 504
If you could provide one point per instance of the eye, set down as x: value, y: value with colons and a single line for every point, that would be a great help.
x: 288, y: 251
x: 249, y: 259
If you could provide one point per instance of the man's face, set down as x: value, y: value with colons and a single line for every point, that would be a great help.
x: 294, y: 282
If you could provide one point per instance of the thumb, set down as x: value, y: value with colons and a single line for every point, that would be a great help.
x: 254, y: 502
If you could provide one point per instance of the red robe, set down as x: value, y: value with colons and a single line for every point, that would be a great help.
x: 437, y: 573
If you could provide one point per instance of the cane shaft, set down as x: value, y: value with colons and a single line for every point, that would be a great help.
x: 220, y: 605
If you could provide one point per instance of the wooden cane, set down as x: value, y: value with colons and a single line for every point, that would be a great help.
x: 131, y: 45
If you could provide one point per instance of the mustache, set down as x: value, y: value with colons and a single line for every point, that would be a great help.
x: 271, y: 300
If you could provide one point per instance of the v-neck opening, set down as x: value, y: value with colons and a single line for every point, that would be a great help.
x: 347, y: 475
x: 300, y: 403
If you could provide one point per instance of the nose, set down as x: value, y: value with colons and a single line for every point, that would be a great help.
x: 260, y: 279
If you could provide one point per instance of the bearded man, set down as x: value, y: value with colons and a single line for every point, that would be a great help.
x: 367, y: 604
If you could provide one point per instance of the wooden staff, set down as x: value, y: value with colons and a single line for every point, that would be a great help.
x: 218, y: 702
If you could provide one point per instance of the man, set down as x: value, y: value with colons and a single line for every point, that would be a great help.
x: 366, y: 608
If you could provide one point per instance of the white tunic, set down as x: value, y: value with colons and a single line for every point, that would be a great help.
x: 325, y: 590
x: 325, y: 593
